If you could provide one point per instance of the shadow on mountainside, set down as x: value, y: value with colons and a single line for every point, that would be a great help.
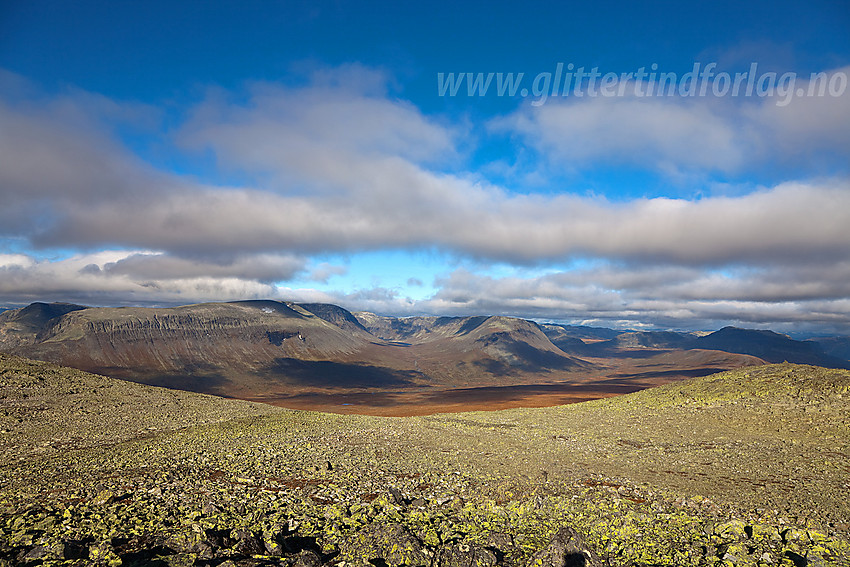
x: 206, y: 381
x: 326, y: 373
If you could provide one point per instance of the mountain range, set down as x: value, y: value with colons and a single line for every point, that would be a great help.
x: 321, y: 356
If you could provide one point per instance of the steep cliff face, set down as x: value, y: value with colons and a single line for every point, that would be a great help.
x: 206, y: 344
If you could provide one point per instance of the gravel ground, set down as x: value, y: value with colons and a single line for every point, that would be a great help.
x: 742, y: 468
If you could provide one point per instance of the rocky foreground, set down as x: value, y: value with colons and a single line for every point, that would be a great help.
x: 750, y: 467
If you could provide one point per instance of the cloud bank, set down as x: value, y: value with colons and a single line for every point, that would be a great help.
x: 341, y: 166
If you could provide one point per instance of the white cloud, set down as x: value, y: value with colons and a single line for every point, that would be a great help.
x: 662, y: 134
x: 793, y: 220
x: 314, y: 134
x: 266, y: 268
x: 356, y: 185
x: 677, y: 135
x: 325, y: 271
x: 341, y: 167
x: 666, y: 296
x: 123, y: 277
x: 15, y: 261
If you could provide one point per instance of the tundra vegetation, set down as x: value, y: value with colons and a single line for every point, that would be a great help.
x: 747, y: 467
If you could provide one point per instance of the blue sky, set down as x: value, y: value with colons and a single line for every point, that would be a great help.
x: 165, y: 153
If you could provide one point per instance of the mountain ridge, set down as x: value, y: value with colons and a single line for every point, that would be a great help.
x: 260, y: 348
x: 322, y: 356
x: 767, y: 345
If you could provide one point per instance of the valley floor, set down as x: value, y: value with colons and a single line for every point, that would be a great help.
x: 630, y: 371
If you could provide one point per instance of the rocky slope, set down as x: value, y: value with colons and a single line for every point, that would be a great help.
x: 740, y: 468
x: 47, y: 409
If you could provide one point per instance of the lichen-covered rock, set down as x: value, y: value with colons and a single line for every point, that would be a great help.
x: 104, y: 498
x: 392, y: 543
x: 273, y: 542
x: 178, y: 560
x: 193, y: 540
x: 102, y: 553
x: 465, y: 555
x: 307, y: 558
x: 733, y: 530
x: 44, y: 551
x: 246, y: 542
x: 566, y: 549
